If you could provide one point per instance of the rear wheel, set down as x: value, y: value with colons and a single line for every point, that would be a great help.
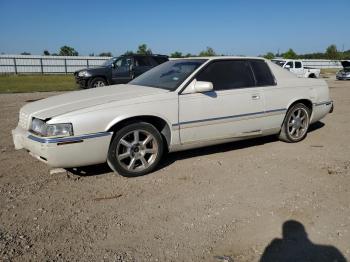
x: 136, y: 150
x: 296, y: 124
x: 97, y: 82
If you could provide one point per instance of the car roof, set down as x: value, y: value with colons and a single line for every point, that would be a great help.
x: 144, y: 55
x: 222, y: 58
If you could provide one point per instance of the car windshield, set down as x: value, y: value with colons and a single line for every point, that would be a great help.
x: 109, y: 61
x: 168, y: 75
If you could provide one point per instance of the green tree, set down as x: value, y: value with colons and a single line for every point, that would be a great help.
x: 332, y: 52
x: 25, y: 53
x: 189, y: 55
x: 143, y: 50
x: 105, y: 54
x: 269, y: 55
x: 346, y: 55
x: 128, y: 52
x: 176, y: 54
x: 290, y: 54
x: 68, y: 51
x: 313, y: 56
x: 46, y: 52
x: 208, y: 52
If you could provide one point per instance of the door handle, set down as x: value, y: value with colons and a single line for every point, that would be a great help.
x: 255, y: 97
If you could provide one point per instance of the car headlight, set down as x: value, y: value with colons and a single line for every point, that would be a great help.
x: 38, y: 126
x: 84, y: 74
x: 59, y: 130
x: 51, y: 130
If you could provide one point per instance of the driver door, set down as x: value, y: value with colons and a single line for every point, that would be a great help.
x: 298, y: 69
x: 121, y: 70
x: 233, y: 109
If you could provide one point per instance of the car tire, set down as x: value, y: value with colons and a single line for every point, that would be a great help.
x: 295, y: 124
x: 97, y: 82
x: 135, y: 150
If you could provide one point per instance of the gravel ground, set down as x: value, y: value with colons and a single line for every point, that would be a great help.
x: 222, y: 203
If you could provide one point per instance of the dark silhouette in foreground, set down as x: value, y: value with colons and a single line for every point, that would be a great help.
x: 296, y: 246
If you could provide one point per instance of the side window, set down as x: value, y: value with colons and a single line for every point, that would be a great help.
x: 262, y: 73
x: 122, y: 62
x: 297, y: 64
x: 290, y: 63
x: 228, y: 74
x: 142, y: 61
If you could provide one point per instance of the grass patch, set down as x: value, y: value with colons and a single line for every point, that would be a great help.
x: 329, y: 70
x: 36, y: 83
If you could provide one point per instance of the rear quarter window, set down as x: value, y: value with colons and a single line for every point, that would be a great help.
x: 143, y: 61
x: 159, y: 59
x: 262, y: 73
x: 297, y: 64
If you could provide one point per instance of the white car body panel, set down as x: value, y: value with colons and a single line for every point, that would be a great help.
x: 192, y: 119
x: 214, y: 117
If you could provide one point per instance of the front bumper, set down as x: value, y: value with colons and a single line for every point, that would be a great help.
x: 83, y: 82
x: 341, y: 77
x: 64, y: 152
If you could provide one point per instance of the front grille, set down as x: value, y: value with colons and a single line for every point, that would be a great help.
x: 23, y: 120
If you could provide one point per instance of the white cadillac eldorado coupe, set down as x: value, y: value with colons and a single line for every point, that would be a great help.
x: 181, y: 104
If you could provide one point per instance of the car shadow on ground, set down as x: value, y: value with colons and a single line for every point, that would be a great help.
x: 176, y: 156
x: 296, y: 246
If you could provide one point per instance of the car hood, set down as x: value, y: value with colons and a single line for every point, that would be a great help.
x: 72, y: 101
x: 345, y: 64
x: 95, y: 70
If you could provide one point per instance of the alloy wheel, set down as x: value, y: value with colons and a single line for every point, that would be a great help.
x: 99, y: 83
x: 137, y: 150
x: 298, y: 123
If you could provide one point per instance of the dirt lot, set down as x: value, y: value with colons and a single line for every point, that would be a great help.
x: 223, y: 203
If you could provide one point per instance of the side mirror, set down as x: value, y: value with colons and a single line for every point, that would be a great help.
x: 202, y: 86
x: 287, y: 66
x: 113, y: 65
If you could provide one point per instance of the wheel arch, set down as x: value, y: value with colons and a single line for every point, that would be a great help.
x: 162, y: 125
x: 99, y: 76
x: 307, y: 102
x: 284, y: 134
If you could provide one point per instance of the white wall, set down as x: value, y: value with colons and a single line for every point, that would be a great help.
x: 322, y: 63
x: 28, y: 64
x: 25, y: 64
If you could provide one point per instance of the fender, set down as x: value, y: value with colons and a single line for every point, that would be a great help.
x: 122, y: 117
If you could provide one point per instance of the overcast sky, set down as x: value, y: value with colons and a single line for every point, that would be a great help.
x: 230, y: 27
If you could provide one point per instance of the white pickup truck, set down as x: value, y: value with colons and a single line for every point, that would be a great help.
x: 297, y: 67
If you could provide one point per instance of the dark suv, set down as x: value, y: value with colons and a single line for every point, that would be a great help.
x: 118, y: 70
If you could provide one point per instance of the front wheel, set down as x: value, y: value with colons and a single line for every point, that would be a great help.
x: 136, y: 150
x: 97, y: 82
x: 296, y: 124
